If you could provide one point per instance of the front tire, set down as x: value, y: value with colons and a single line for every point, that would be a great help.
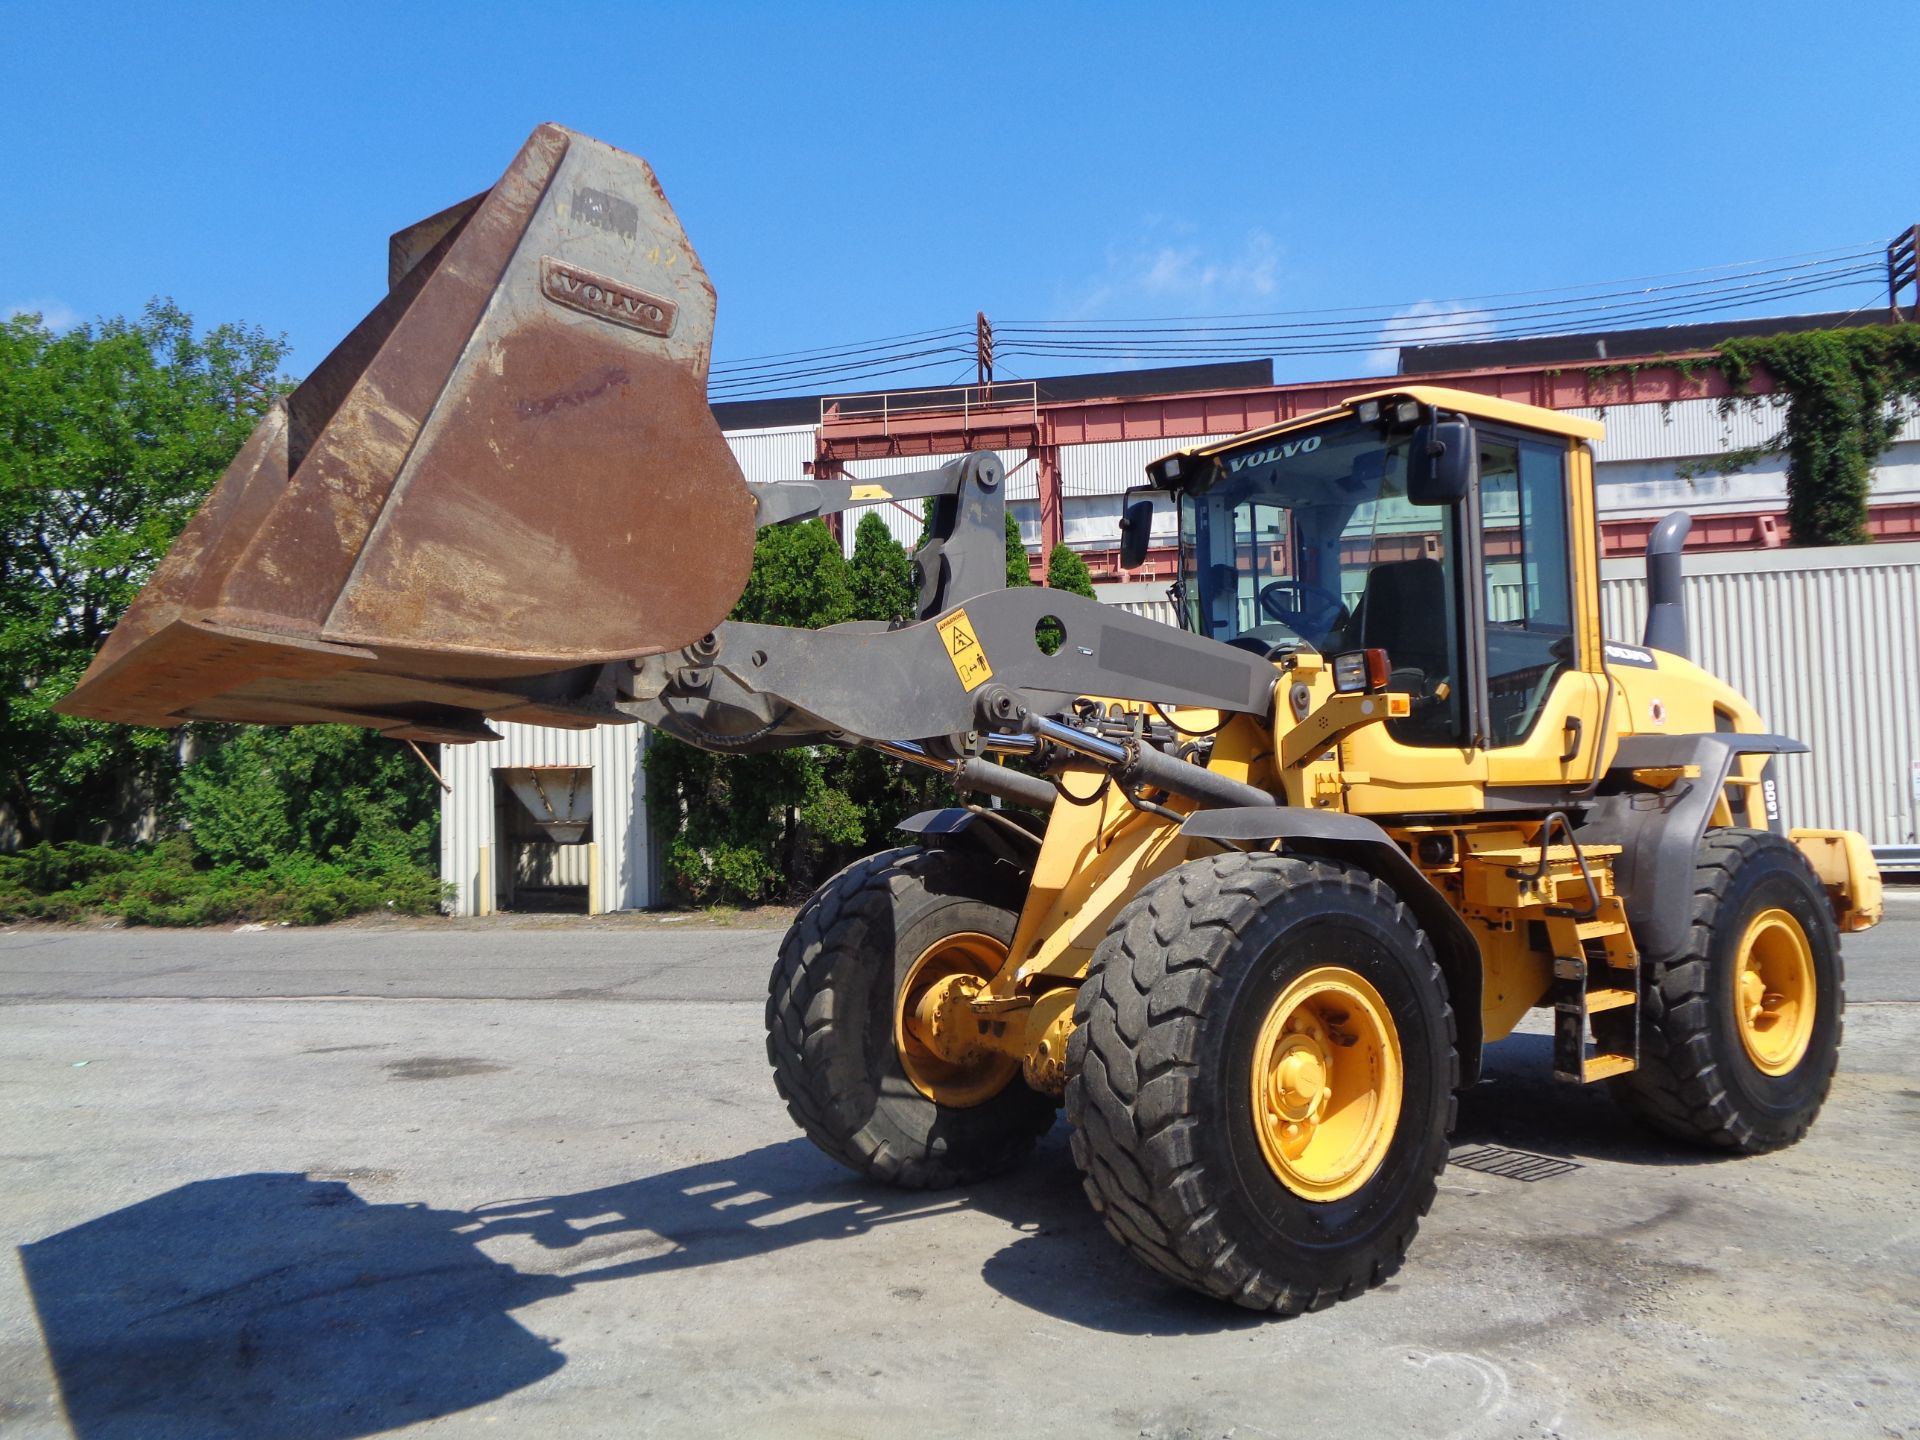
x: 1741, y: 1033
x: 833, y: 1012
x: 1224, y: 1000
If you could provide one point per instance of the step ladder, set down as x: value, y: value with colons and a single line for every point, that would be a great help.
x: 1595, y: 969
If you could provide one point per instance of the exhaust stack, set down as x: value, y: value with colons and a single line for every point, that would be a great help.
x: 1666, y: 601
x: 505, y: 476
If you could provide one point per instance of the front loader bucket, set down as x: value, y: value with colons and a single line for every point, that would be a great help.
x: 507, y: 474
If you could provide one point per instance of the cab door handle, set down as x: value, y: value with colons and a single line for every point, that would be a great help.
x: 1571, y: 729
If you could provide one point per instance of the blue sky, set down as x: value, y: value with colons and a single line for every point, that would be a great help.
x: 849, y: 172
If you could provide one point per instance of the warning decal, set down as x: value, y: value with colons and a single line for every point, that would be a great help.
x: 963, y: 649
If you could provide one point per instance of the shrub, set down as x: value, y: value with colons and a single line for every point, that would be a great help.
x: 302, y: 826
x: 163, y: 884
x: 327, y: 791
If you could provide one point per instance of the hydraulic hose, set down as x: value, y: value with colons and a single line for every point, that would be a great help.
x: 975, y: 776
x: 1136, y: 764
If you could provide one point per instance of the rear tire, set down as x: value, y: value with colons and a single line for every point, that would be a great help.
x: 1177, y: 1018
x: 1730, y: 1056
x: 831, y: 1013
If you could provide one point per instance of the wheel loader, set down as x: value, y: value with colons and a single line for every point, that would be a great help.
x: 1249, y: 897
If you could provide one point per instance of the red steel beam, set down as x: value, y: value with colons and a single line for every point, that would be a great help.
x: 1041, y: 430
x: 1228, y: 412
x: 1749, y: 530
x: 1053, y: 520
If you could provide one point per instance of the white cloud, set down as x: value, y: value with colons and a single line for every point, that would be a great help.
x: 56, y: 315
x: 1167, y: 268
x: 1430, y: 322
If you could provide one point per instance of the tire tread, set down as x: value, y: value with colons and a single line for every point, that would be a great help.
x: 1133, y: 1070
x: 829, y: 939
x: 1677, y: 1089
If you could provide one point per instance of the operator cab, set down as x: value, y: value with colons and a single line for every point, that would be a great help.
x: 1353, y: 531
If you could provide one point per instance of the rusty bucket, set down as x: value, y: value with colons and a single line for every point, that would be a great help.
x: 505, y: 476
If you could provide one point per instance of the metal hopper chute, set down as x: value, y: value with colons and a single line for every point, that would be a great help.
x: 504, y: 477
x: 558, y: 797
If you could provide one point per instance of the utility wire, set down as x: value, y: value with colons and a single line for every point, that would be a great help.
x: 1572, y: 305
x: 1838, y: 253
x: 813, y: 387
x: 877, y: 363
x: 1343, y: 330
x: 805, y: 358
x: 1397, y: 334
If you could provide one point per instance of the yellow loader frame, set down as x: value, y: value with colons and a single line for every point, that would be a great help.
x: 1099, y: 850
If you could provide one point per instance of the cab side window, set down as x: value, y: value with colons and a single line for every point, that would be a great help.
x: 1405, y: 603
x: 1528, y: 578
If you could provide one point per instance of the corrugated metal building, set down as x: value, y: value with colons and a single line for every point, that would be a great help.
x: 489, y: 848
x: 1826, y: 645
x: 1637, y: 467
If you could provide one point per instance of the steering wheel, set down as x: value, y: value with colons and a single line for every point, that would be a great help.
x: 1313, y: 611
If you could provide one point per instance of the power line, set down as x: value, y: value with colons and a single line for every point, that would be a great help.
x: 1416, y: 329
x: 797, y: 357
x: 878, y: 362
x: 1569, y: 305
x: 805, y: 386
x: 1392, y: 340
x: 1744, y: 266
x: 1343, y: 330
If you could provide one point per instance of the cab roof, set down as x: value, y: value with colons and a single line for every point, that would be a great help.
x: 1465, y: 402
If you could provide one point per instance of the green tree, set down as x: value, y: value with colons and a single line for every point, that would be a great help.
x: 799, y: 577
x: 110, y: 435
x: 1019, y: 569
x: 880, y: 574
x: 329, y: 791
x: 749, y: 827
x: 1846, y: 391
x: 1065, y: 571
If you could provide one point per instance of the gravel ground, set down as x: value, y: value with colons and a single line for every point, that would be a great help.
x: 534, y: 1180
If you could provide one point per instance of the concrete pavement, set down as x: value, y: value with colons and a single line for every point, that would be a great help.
x: 348, y: 1182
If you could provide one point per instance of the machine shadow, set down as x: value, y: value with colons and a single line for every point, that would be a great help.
x: 1519, y: 1105
x: 1062, y: 1264
x: 287, y: 1305
x: 277, y: 1304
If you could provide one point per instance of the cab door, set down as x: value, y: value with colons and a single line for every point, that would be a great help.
x: 1513, y: 721
x: 1543, y: 696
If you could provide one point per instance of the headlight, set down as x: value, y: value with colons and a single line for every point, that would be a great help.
x: 1358, y: 671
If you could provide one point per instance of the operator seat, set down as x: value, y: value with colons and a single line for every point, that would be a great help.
x: 1406, y: 611
x: 1222, y: 608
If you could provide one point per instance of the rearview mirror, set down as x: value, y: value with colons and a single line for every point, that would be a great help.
x: 1136, y: 529
x: 1440, y: 463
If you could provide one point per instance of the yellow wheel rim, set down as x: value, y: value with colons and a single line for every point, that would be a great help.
x: 981, y: 1076
x: 1773, y: 992
x: 1327, y: 1083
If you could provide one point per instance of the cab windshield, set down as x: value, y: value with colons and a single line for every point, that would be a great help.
x: 1307, y: 538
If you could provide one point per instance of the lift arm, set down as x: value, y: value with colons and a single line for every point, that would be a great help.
x: 969, y: 665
